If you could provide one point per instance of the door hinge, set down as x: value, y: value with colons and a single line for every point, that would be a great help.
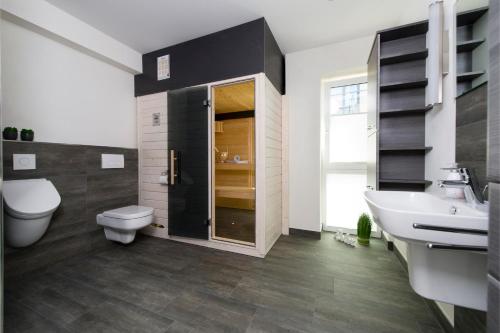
x: 208, y: 222
x: 206, y: 103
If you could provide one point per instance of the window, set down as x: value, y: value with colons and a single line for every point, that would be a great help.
x: 345, y: 151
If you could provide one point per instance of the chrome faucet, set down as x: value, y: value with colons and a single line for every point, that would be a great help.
x: 470, y: 185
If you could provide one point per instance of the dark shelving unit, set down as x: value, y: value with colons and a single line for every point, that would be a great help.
x: 403, y: 57
x: 400, y: 98
x: 406, y: 181
x: 403, y: 85
x: 469, y: 76
x: 406, y: 148
x: 471, y: 49
x: 397, y: 112
x: 469, y: 45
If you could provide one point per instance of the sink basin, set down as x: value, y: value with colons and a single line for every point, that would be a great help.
x: 447, y: 240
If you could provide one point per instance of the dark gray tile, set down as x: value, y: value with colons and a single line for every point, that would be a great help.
x: 494, y: 231
x: 85, y: 189
x: 471, y: 132
x: 493, y: 317
x: 303, y: 285
x: 469, y: 320
x: 494, y: 92
x: 20, y: 319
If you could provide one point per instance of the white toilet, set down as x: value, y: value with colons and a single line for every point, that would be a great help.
x: 29, y: 205
x: 120, y: 225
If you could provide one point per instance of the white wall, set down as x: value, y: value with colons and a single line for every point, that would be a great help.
x: 440, y: 122
x: 63, y: 94
x: 59, y: 24
x: 304, y: 72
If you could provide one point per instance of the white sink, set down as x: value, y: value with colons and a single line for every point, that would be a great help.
x: 445, y: 239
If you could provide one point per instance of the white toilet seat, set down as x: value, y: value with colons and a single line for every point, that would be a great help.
x: 121, y: 224
x: 30, y: 198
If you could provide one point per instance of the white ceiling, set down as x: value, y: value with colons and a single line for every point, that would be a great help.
x: 148, y: 25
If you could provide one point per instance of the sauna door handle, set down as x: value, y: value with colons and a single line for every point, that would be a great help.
x: 173, y: 167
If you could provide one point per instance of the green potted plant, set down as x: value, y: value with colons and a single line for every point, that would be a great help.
x: 10, y: 133
x: 364, y: 229
x: 27, y: 134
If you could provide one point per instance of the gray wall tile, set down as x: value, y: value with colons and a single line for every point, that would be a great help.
x: 471, y: 135
x: 494, y: 92
x: 493, y: 306
x: 494, y: 231
x: 85, y: 189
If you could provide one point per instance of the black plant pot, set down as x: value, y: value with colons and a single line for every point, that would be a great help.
x: 27, y: 136
x: 10, y: 135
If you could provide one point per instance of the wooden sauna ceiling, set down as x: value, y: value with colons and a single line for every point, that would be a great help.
x: 235, y: 97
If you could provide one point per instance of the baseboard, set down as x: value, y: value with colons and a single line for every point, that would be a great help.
x: 389, y: 244
x: 305, y: 233
x: 436, y: 311
x: 400, y: 257
x: 441, y: 318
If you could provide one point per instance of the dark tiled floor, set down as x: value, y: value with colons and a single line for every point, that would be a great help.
x: 156, y: 285
x: 232, y: 223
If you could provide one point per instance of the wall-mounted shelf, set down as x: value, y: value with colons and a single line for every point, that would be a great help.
x: 399, y: 112
x: 405, y: 148
x: 401, y: 108
x: 469, y: 45
x: 471, y: 16
x: 469, y: 76
x: 472, y: 51
x: 403, y: 57
x: 403, y: 85
x: 406, y: 181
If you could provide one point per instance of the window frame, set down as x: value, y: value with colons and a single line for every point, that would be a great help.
x: 338, y: 166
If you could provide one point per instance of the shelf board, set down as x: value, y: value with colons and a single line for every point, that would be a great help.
x: 404, y: 31
x: 469, y: 76
x: 405, y: 111
x: 469, y: 45
x: 405, y: 148
x: 471, y: 16
x: 403, y: 85
x: 471, y: 89
x: 405, y: 181
x: 403, y: 57
x: 233, y: 166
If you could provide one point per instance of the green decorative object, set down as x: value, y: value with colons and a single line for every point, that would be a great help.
x: 27, y: 134
x: 10, y: 133
x: 364, y: 229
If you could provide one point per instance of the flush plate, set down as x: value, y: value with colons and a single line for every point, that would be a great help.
x: 112, y: 161
x: 24, y: 161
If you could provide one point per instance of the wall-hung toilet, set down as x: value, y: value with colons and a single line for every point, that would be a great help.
x: 29, y: 205
x: 120, y: 225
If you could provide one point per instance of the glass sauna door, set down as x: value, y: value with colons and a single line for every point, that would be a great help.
x: 233, y: 211
x: 188, y: 134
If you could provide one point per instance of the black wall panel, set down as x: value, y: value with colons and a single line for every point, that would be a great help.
x: 274, y: 60
x: 246, y: 49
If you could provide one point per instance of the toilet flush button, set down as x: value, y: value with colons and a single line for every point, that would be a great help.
x: 24, y: 161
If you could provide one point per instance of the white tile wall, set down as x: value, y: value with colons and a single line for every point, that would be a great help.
x: 153, y: 152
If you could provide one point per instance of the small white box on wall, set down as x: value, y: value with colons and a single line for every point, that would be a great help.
x: 24, y: 161
x: 112, y: 161
x: 163, y: 63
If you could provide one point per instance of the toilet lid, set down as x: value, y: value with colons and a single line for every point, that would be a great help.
x: 129, y: 212
x: 30, y: 196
